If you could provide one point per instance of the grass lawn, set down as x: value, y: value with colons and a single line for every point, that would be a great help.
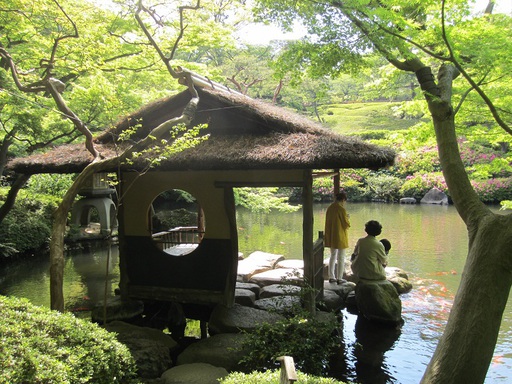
x: 353, y: 118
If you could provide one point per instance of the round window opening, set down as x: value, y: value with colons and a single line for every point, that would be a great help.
x: 177, y: 222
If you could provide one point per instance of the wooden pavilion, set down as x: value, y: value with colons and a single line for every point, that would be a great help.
x: 251, y: 143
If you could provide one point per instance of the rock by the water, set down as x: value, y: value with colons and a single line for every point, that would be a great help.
x: 401, y: 285
x: 408, y: 200
x: 276, y: 276
x: 341, y: 290
x: 223, y: 350
x: 244, y: 297
x: 279, y: 290
x: 117, y: 309
x: 256, y: 262
x: 435, y: 196
x: 284, y: 305
x: 197, y: 373
x: 332, y: 301
x: 290, y: 264
x: 238, y: 318
x: 250, y: 286
x: 379, y: 301
x: 150, y: 347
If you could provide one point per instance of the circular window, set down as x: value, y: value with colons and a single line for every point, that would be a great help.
x: 177, y: 222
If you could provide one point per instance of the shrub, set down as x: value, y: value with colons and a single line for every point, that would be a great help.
x: 310, y: 341
x: 421, y: 160
x: 27, y: 227
x: 384, y: 187
x: 272, y: 377
x: 50, y: 184
x: 418, y: 185
x: 43, y: 346
x: 323, y: 188
x: 493, y: 190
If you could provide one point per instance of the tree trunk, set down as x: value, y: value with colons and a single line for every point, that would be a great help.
x: 466, y: 347
x: 12, y: 194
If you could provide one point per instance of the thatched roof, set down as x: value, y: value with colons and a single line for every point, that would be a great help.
x: 244, y: 133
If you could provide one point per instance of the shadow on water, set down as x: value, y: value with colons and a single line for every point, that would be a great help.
x: 362, y: 357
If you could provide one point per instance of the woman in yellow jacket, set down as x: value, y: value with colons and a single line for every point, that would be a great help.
x: 336, y: 236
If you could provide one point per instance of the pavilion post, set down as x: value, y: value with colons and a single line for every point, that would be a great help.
x: 307, y: 240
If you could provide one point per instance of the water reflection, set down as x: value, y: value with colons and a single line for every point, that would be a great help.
x: 372, y: 343
x: 429, y: 242
x: 96, y: 266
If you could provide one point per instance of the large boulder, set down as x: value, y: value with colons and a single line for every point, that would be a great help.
x: 197, y: 373
x: 238, y: 318
x: 256, y: 262
x: 379, y: 301
x: 223, y: 350
x: 435, y: 196
x: 150, y: 347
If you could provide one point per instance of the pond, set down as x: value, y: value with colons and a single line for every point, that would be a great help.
x: 428, y: 242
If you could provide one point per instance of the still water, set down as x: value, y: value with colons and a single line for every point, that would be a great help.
x: 428, y: 242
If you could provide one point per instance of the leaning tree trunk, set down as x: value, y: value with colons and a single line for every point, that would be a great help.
x: 466, y: 347
x: 60, y: 215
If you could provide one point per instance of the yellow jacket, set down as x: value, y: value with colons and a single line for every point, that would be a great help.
x: 336, y: 227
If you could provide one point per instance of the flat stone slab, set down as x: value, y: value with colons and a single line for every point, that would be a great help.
x: 256, y: 262
x: 279, y: 290
x: 223, y: 350
x: 250, y: 286
x: 245, y: 297
x: 238, y: 318
x: 197, y: 373
x: 290, y: 264
x: 281, y: 304
x: 277, y: 276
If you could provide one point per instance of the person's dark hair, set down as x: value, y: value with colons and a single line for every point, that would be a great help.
x: 341, y: 196
x: 387, y: 244
x: 373, y: 228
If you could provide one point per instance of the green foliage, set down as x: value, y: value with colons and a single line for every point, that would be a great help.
x: 493, y: 190
x: 28, y: 225
x: 43, y: 346
x: 423, y: 159
x: 308, y: 340
x: 419, y: 184
x: 263, y: 200
x: 49, y: 184
x: 353, y: 118
x: 506, y: 205
x: 385, y: 187
x: 273, y: 377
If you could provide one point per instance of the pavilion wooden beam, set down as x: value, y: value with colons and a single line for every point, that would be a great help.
x: 307, y: 240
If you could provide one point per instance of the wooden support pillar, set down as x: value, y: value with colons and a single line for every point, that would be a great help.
x: 307, y: 240
x: 336, y: 181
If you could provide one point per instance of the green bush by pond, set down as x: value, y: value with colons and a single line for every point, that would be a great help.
x: 272, y: 377
x: 43, y: 346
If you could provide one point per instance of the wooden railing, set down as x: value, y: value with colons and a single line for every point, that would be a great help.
x: 177, y: 236
x: 288, y: 373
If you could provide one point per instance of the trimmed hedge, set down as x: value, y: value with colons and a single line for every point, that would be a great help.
x: 38, y: 345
